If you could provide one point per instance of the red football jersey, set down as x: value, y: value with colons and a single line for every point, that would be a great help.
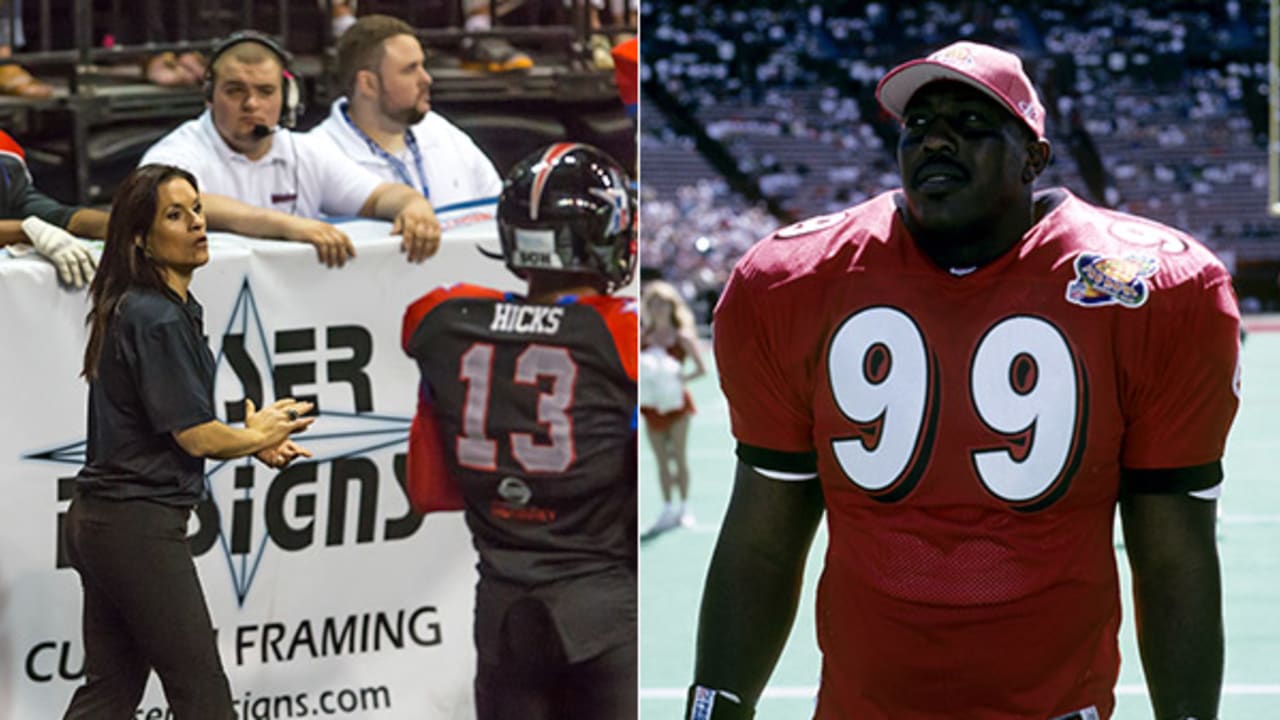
x: 969, y: 431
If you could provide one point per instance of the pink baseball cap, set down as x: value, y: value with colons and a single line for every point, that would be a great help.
x: 996, y: 72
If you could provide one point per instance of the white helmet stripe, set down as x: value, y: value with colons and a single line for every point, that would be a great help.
x: 545, y: 164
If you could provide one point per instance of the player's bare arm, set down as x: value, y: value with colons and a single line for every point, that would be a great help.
x: 1169, y: 538
x: 85, y: 223
x: 763, y: 544
x: 333, y: 247
x: 11, y: 233
x: 413, y: 217
x: 88, y: 223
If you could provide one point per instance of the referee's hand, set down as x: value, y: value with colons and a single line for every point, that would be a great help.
x: 277, y: 421
x: 418, y: 225
x: 333, y: 247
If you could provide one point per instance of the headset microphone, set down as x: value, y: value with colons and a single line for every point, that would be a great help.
x: 260, y: 131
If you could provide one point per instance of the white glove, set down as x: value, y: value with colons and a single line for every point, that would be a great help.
x: 73, y: 260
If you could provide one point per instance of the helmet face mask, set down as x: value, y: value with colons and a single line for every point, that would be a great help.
x: 569, y: 208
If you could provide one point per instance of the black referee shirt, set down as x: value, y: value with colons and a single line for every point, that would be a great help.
x: 155, y: 376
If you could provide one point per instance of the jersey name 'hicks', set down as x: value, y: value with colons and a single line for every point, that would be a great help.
x: 538, y: 319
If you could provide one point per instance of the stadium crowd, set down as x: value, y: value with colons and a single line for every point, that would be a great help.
x: 1161, y: 112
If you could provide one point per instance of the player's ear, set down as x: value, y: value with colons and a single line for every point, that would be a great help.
x: 1039, y: 152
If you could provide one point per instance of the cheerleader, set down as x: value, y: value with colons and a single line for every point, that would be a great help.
x: 667, y: 341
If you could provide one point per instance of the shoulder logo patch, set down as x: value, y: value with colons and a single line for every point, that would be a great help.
x: 1102, y: 280
x: 814, y: 224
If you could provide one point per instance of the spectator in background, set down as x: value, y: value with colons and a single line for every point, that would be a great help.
x: 491, y: 54
x: 171, y: 69
x: 385, y: 122
x: 487, y: 54
x: 242, y: 148
x: 14, y: 79
x: 603, y: 49
x: 155, y: 21
x: 342, y: 15
x: 495, y: 54
x: 626, y: 72
x: 28, y: 215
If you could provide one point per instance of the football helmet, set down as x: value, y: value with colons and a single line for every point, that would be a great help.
x: 568, y: 208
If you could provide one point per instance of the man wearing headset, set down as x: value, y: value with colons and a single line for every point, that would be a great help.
x: 263, y: 179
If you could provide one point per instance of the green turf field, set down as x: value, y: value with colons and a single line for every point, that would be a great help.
x: 672, y: 567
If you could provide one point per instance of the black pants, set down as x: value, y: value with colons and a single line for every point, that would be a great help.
x: 531, y: 679
x: 143, y: 610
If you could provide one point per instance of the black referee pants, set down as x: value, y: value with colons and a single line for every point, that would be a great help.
x: 532, y: 680
x: 143, y: 610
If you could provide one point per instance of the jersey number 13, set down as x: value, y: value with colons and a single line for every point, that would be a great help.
x: 478, y: 451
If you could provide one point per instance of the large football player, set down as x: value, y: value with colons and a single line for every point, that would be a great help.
x: 527, y: 420
x: 969, y: 377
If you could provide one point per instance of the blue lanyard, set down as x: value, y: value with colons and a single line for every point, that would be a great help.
x: 396, y: 163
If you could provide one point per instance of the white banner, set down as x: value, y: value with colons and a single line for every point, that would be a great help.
x: 330, y: 598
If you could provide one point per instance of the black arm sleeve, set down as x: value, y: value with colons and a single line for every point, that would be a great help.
x: 1171, y: 480
x: 20, y: 199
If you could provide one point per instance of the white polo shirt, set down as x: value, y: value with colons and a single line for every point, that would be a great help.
x: 299, y: 175
x: 456, y: 169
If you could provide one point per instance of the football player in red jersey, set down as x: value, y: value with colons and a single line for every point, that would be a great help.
x: 969, y: 376
x: 527, y: 420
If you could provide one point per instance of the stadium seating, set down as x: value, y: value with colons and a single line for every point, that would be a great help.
x: 1155, y: 111
x: 104, y: 114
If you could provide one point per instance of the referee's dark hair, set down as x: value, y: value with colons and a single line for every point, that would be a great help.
x: 361, y: 47
x: 125, y: 262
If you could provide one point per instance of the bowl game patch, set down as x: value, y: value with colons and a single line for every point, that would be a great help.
x: 1102, y: 280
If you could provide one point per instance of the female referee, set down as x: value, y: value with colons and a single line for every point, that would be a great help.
x: 151, y: 425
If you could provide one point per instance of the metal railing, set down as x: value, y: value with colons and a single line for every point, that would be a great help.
x: 75, y: 44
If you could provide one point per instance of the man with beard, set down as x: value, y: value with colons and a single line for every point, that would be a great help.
x: 968, y: 376
x: 385, y: 122
x: 261, y: 178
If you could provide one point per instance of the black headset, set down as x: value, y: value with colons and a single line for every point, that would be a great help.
x: 292, y: 106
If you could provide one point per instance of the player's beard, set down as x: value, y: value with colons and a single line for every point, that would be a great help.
x: 405, y: 116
